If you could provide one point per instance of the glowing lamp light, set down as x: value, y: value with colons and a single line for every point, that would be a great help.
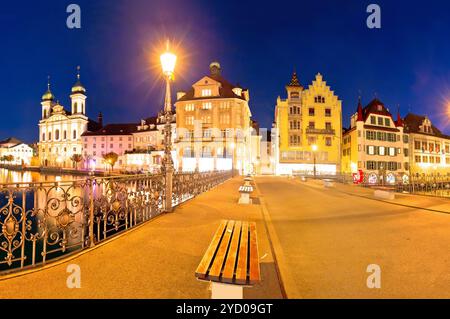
x: 314, y: 148
x: 168, y: 62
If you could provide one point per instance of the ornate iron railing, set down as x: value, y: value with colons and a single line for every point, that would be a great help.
x: 189, y: 185
x: 41, y: 222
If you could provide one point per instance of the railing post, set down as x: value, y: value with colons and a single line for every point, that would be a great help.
x: 169, y: 188
x: 91, y: 213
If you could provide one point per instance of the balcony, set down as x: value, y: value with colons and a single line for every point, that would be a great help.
x: 326, y: 131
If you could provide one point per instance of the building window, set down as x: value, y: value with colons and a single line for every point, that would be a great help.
x: 387, y: 122
x: 224, y: 118
x: 189, y: 107
x: 49, y: 136
x: 328, y: 126
x: 74, y: 134
x: 57, y: 135
x: 311, y: 111
x: 43, y: 137
x: 381, y: 151
x: 328, y: 141
x: 312, y: 125
x: 206, y: 92
x: 392, y: 151
x: 207, y: 106
x: 189, y: 120
x: 319, y: 99
x: 311, y: 140
x: 380, y: 121
x: 373, y: 120
x: 328, y: 112
x: 295, y: 95
x: 371, y: 165
x: 371, y: 150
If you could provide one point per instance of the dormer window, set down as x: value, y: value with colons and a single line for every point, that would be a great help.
x: 380, y: 108
x: 206, y: 92
x: 237, y: 91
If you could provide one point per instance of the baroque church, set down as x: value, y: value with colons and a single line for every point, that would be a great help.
x: 60, y: 130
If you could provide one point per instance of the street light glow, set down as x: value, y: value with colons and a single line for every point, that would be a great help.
x: 168, y: 62
x: 314, y: 148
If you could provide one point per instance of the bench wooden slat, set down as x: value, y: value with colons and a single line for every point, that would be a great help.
x: 241, y: 269
x: 202, y: 269
x: 230, y: 264
x: 255, y: 275
x: 216, y: 268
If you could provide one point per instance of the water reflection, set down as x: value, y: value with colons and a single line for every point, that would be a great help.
x: 12, y: 177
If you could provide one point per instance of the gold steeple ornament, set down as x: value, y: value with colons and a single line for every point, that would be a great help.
x: 48, y: 95
x: 78, y: 87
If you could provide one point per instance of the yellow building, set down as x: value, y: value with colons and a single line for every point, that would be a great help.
x: 430, y: 148
x: 308, y: 129
x: 213, y: 125
x: 376, y: 145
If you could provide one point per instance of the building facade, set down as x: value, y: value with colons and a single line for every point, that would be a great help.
x: 60, y: 130
x: 430, y: 148
x: 213, y: 125
x: 20, y: 152
x: 112, y: 138
x: 376, y: 146
x: 307, y: 131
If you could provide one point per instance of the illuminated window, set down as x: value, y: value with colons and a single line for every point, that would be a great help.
x: 189, y: 120
x: 189, y: 107
x: 206, y: 92
x: 207, y: 106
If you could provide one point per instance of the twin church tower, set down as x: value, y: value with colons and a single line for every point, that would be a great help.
x: 60, y: 130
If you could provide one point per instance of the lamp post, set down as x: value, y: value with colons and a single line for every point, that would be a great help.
x: 168, y: 61
x: 314, y: 149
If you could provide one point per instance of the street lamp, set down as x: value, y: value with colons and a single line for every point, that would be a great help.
x: 314, y: 149
x: 168, y: 62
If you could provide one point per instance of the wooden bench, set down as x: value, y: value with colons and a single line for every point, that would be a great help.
x: 232, y: 260
x: 245, y: 192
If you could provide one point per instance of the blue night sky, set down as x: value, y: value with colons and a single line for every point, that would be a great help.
x: 258, y: 44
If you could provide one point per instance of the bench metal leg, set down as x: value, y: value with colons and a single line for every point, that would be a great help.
x: 226, y: 291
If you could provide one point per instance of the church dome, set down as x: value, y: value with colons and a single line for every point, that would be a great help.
x: 78, y: 87
x: 48, y: 96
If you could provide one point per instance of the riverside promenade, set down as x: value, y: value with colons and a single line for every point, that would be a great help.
x: 157, y: 259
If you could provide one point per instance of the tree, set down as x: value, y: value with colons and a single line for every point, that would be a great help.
x: 76, y: 158
x: 9, y: 158
x: 111, y: 159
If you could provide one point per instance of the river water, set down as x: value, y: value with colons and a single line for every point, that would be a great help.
x: 12, y: 177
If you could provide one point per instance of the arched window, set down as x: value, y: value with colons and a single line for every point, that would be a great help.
x: 43, y: 137
x: 74, y: 134
x: 49, y: 136
x: 57, y: 135
x: 75, y: 107
x: 65, y: 135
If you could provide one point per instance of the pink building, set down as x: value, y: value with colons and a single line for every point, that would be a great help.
x: 117, y: 138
